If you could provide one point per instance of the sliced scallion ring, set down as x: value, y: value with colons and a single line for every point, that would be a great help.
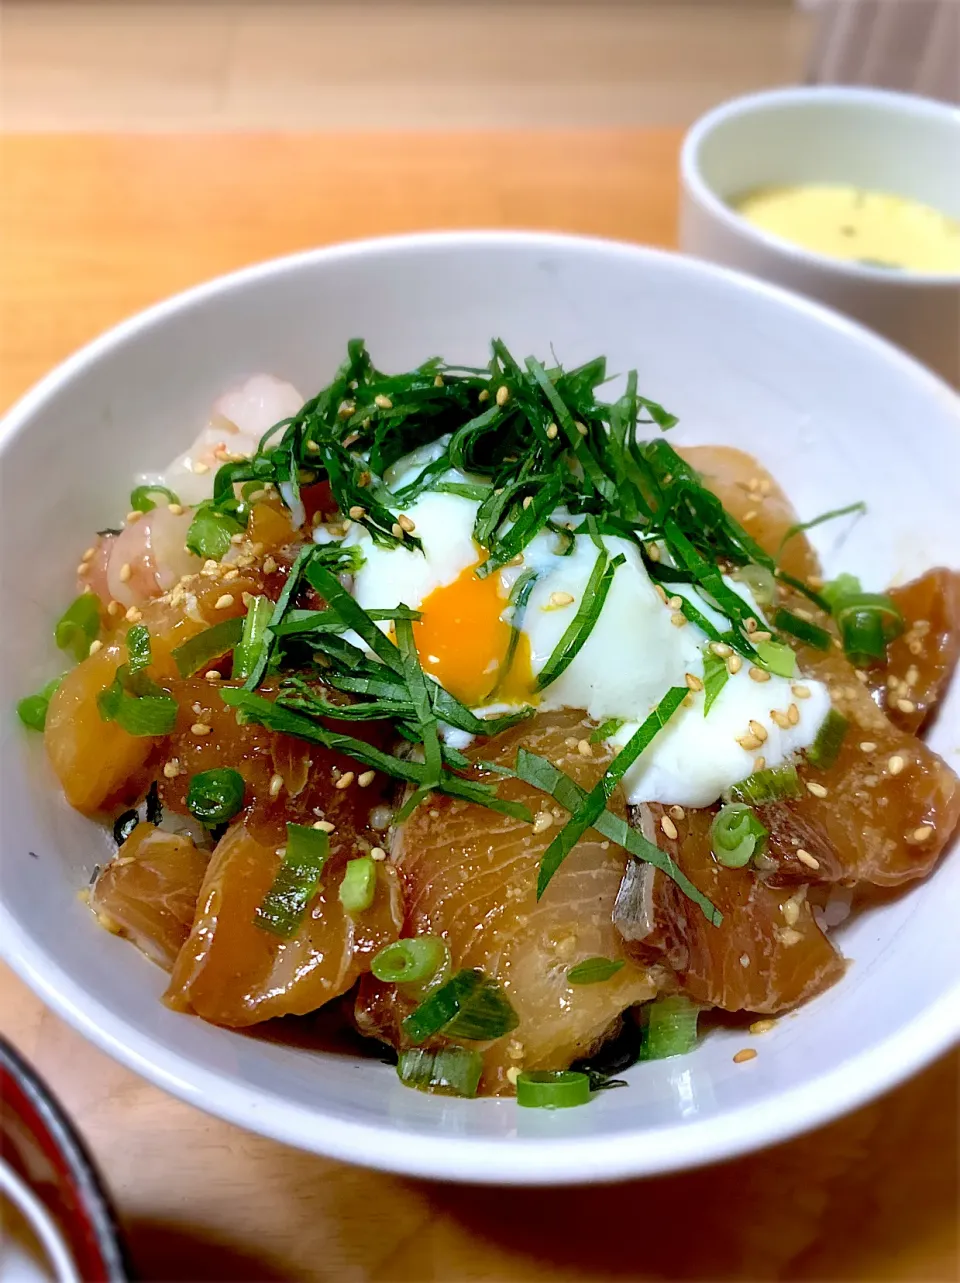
x: 412, y: 961
x: 552, y: 1089
x: 359, y: 884
x: 736, y: 835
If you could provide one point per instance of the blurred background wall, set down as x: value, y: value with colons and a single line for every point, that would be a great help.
x: 159, y: 64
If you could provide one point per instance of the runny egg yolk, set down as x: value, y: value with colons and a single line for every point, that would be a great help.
x: 463, y: 642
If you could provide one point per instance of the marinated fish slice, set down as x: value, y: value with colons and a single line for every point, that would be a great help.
x: 148, y: 893
x: 767, y: 955
x: 469, y: 874
x: 94, y: 760
x: 233, y: 972
x: 886, y: 807
x: 921, y: 660
x: 753, y: 497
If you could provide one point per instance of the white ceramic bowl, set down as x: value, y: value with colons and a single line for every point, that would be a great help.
x: 835, y: 412
x: 866, y: 137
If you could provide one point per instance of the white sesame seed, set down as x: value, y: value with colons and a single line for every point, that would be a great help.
x: 757, y: 729
x: 95, y: 645
x: 758, y: 674
x: 542, y: 822
x: 345, y: 780
x: 896, y: 764
x: 484, y: 394
x: 503, y: 395
x: 133, y: 615
x: 357, y: 513
x: 906, y: 706
x: 748, y: 1053
x: 678, y: 619
x: 668, y: 826
x: 806, y: 858
x: 791, y: 911
x: 759, y: 763
x: 921, y: 833
x: 801, y: 691
x: 552, y: 431
x: 114, y: 609
x: 793, y: 715
x: 762, y: 1026
x: 126, y: 570
x: 751, y: 625
x: 868, y: 746
x: 674, y: 603
x: 749, y: 516
x: 88, y: 554
x: 377, y: 853
x: 561, y: 598
x: 816, y: 789
x: 199, y: 467
x: 171, y: 769
x: 527, y: 501
x: 677, y: 812
x: 694, y: 682
x: 133, y: 516
x: 653, y: 551
x: 749, y: 742
x: 405, y: 523
x: 324, y: 826
x: 366, y: 778
x: 779, y: 719
x: 734, y: 664
x: 661, y: 592
x: 276, y: 784
x: 581, y: 428
x: 200, y: 728
x: 585, y: 748
x: 721, y: 649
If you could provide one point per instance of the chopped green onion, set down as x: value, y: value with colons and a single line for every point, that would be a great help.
x: 140, y: 500
x: 777, y: 658
x: 469, y: 1006
x: 32, y: 709
x: 124, y: 825
x: 760, y: 581
x: 843, y: 586
x: 824, y: 750
x: 210, y: 530
x: 552, y: 1089
x: 582, y: 624
x: 283, y: 907
x: 736, y: 835
x: 449, y: 1071
x: 253, y: 631
x: 198, y: 652
x: 715, y: 674
x: 594, y: 970
x: 137, y: 704
x: 596, y: 800
x: 606, y: 730
x: 775, y: 784
x: 671, y: 1027
x: 79, y: 625
x: 413, y: 961
x: 785, y: 621
x: 359, y: 884
x: 216, y: 796
x: 867, y: 622
x: 138, y: 647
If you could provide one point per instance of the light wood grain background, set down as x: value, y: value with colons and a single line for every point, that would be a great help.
x: 386, y: 64
x: 94, y: 228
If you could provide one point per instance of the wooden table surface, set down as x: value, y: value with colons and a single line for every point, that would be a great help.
x: 92, y: 228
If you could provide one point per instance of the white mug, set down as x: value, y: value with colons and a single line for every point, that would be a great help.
x: 867, y: 138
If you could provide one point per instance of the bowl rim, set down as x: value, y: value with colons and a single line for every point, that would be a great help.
x: 841, y: 96
x: 527, y: 1161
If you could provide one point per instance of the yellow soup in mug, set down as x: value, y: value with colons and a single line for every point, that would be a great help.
x: 876, y: 229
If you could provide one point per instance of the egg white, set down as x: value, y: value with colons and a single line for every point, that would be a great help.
x: 633, y: 654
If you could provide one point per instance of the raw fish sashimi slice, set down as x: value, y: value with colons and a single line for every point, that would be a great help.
x: 470, y: 874
x: 148, y: 893
x: 233, y: 972
x: 768, y: 953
